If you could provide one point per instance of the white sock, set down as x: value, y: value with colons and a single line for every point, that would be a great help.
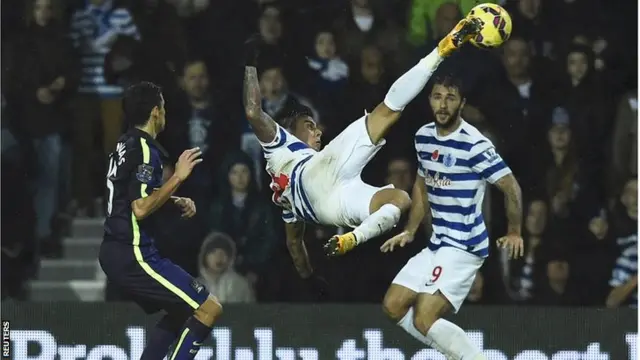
x: 378, y: 223
x: 407, y: 324
x: 409, y: 85
x: 453, y: 340
x: 447, y: 338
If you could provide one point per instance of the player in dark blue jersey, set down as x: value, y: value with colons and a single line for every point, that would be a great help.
x: 128, y: 255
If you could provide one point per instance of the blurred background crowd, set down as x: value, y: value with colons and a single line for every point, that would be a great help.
x: 559, y: 100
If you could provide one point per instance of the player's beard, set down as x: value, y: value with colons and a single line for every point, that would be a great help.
x: 450, y: 120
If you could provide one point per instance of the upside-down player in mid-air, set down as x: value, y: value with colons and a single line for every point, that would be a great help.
x: 455, y: 162
x: 128, y: 254
x: 324, y: 186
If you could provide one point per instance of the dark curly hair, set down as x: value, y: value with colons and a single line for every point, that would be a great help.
x: 450, y: 81
x: 289, y: 120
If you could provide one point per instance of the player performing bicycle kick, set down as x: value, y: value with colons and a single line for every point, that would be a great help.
x: 325, y: 186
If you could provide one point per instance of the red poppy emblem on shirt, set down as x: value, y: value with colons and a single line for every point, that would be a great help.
x: 278, y: 184
x: 435, y: 155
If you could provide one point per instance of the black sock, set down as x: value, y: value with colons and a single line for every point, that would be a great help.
x: 189, y: 340
x: 163, y: 335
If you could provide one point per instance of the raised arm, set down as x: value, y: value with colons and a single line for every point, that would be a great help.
x: 263, y: 125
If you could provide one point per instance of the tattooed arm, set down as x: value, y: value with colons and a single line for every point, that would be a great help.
x: 512, y: 203
x: 297, y: 249
x: 263, y: 125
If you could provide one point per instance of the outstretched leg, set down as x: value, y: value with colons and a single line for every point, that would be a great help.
x: 409, y: 85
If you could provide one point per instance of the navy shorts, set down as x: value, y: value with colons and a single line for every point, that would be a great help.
x: 153, y: 282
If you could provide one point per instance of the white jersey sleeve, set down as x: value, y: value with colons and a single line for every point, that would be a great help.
x: 289, y: 217
x: 486, y: 162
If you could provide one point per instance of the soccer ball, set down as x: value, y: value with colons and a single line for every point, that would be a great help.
x: 496, y: 25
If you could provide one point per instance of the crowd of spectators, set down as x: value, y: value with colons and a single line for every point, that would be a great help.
x: 559, y: 100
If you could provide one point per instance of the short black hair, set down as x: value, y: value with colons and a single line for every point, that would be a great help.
x: 138, y: 102
x: 288, y: 121
x: 450, y: 81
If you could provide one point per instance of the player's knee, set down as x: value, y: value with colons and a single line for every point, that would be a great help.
x: 423, y: 320
x: 401, y: 199
x: 394, y: 307
x: 429, y: 308
x: 209, y: 311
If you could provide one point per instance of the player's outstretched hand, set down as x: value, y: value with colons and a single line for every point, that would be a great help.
x: 400, y: 240
x: 186, y: 162
x: 461, y: 33
x: 514, y: 244
x: 186, y: 205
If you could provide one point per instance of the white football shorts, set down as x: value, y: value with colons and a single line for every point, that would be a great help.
x: 447, y: 269
x: 332, y: 179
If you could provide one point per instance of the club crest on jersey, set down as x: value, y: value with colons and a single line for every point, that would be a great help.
x: 491, y: 155
x: 144, y: 174
x: 197, y: 286
x: 449, y: 160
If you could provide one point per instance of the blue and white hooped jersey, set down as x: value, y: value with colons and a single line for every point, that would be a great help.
x: 456, y: 168
x: 286, y: 156
x: 626, y: 265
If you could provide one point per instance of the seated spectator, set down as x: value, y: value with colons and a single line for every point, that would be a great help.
x: 556, y: 289
x: 328, y: 74
x: 242, y: 212
x: 195, y: 119
x: 624, y: 278
x: 216, y: 261
x: 277, y: 99
x: 514, y: 103
x: 361, y: 25
x: 529, y: 22
x: 331, y: 71
x: 595, y: 254
x: 275, y: 46
x: 368, y: 85
x: 573, y: 199
x: 581, y: 93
